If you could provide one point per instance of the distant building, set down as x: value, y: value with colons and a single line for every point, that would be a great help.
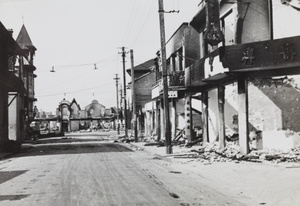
x: 94, y: 115
x: 144, y: 79
x: 75, y: 113
x: 95, y: 109
x: 64, y: 112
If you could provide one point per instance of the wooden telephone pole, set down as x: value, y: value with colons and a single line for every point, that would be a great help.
x: 165, y: 83
x: 121, y: 103
x: 133, y: 98
x: 117, y: 85
x: 124, y: 84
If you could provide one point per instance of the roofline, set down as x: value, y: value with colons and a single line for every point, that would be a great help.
x: 140, y: 65
x: 138, y: 78
x: 183, y: 24
x: 8, y: 37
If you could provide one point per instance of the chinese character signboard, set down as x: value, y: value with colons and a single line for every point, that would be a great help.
x: 264, y: 55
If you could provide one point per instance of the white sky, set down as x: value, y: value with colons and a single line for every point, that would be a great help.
x: 73, y: 35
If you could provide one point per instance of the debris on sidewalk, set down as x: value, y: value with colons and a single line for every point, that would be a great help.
x: 125, y: 139
x: 155, y: 144
x: 210, y: 152
x: 175, y: 172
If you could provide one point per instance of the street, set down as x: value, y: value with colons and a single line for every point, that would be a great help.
x: 204, y: 96
x: 92, y: 170
x: 79, y: 174
x: 98, y: 169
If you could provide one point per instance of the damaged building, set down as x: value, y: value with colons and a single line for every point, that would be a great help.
x: 234, y: 66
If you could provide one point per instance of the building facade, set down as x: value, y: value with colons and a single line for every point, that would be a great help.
x: 17, y: 87
x: 240, y: 59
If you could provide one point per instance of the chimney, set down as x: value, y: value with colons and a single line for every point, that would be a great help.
x: 11, y: 31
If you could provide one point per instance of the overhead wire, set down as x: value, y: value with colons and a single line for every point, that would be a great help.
x: 86, y: 64
x: 143, y: 23
x: 75, y: 91
x: 66, y: 81
x: 105, y: 61
x: 133, y: 13
x: 80, y: 75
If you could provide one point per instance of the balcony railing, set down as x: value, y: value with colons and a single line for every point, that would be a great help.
x: 194, y: 73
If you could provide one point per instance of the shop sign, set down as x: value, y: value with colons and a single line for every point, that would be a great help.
x: 264, y: 55
x: 172, y: 94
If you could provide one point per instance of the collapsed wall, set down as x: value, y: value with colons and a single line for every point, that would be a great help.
x: 273, y: 111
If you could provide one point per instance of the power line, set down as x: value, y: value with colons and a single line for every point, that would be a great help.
x: 133, y: 13
x: 142, y: 24
x: 105, y: 61
x: 75, y: 91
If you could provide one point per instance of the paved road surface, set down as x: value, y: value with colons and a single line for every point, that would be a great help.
x: 65, y: 172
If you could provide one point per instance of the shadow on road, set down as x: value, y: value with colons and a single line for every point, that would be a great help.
x: 13, y: 197
x: 69, y: 139
x: 7, y: 175
x: 69, y: 148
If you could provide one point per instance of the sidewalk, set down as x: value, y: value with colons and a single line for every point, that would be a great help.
x: 248, y: 182
x: 4, y: 155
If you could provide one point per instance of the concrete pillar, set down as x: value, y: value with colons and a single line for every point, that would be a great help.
x: 243, y: 115
x: 157, y: 120
x: 221, y: 103
x: 138, y: 124
x: 153, y: 113
x: 188, y: 118
x: 147, y: 123
x: 162, y: 123
x: 173, y: 119
x: 114, y: 124
x: 205, y: 135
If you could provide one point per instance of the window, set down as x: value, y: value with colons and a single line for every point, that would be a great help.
x: 228, y: 24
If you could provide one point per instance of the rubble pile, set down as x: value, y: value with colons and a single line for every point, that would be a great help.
x: 124, y: 139
x: 278, y: 156
x: 210, y: 152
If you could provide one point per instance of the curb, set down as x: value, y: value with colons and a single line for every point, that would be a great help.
x: 4, y: 155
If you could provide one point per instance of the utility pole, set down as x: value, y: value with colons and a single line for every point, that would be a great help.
x: 117, y: 89
x: 165, y: 83
x: 121, y: 103
x: 133, y: 98
x: 124, y: 84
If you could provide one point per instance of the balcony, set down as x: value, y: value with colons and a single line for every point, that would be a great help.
x: 194, y: 73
